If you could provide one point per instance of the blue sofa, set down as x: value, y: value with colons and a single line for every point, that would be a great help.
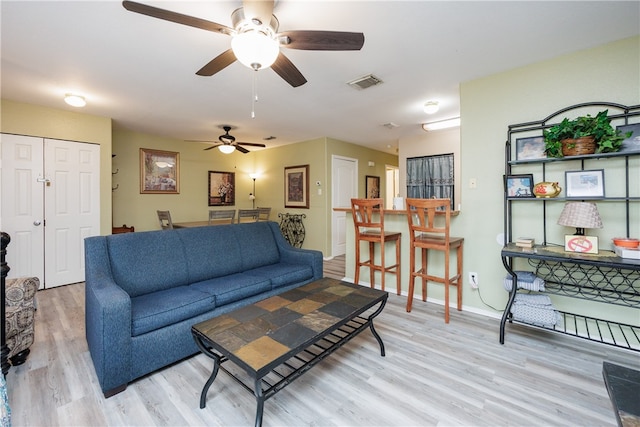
x: 145, y: 290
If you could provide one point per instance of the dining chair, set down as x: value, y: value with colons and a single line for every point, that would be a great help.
x: 263, y: 214
x: 248, y: 215
x: 165, y: 220
x: 221, y: 216
x: 371, y: 230
x: 429, y: 224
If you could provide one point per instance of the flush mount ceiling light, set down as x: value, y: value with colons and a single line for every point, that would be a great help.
x: 75, y: 100
x: 226, y: 149
x: 431, y: 107
x: 442, y: 124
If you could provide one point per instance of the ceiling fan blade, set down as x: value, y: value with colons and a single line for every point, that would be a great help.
x: 285, y: 69
x: 241, y: 149
x: 322, y: 40
x: 211, y: 148
x: 178, y: 18
x: 221, y: 61
x: 251, y: 144
x: 258, y: 9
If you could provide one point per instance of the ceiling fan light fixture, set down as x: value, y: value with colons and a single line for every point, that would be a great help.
x: 227, y: 149
x: 255, y: 49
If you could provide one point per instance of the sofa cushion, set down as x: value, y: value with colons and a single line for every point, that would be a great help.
x: 234, y: 287
x: 283, y: 274
x: 258, y: 246
x: 142, y: 263
x: 211, y: 251
x: 159, y: 309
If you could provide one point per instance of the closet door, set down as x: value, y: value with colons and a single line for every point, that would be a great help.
x: 22, y: 210
x: 72, y: 208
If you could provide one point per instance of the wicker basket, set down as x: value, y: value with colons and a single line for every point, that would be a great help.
x: 579, y: 146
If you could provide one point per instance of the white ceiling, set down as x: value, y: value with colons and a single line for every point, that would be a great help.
x: 140, y: 71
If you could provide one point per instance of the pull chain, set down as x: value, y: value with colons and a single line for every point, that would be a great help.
x: 254, y: 94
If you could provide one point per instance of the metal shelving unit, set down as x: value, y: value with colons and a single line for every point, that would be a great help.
x: 608, y: 279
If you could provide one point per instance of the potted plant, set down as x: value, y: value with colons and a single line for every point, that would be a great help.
x: 584, y: 135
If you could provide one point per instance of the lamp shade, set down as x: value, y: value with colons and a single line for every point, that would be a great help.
x: 255, y: 49
x: 580, y: 215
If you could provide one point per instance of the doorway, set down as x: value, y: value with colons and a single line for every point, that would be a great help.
x: 50, y: 204
x: 344, y: 186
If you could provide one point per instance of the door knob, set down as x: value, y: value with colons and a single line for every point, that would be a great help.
x: 36, y: 223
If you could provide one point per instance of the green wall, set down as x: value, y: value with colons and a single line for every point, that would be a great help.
x: 132, y: 208
x: 488, y: 105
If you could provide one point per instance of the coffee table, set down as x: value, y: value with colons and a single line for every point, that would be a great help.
x: 276, y: 340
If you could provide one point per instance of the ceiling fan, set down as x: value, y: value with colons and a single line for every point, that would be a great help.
x: 228, y: 143
x: 255, y: 39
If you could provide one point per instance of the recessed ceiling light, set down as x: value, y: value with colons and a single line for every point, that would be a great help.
x: 75, y: 100
x: 442, y: 124
x: 431, y: 107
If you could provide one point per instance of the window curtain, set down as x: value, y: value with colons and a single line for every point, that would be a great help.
x: 431, y: 177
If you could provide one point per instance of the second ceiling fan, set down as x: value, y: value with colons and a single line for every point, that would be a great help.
x: 227, y: 143
x: 255, y: 39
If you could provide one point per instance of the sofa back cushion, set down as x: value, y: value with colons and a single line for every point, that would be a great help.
x: 258, y: 246
x: 147, y: 261
x: 211, y: 251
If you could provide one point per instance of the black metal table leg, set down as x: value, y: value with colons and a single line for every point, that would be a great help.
x: 373, y: 330
x: 217, y: 360
x: 260, y: 402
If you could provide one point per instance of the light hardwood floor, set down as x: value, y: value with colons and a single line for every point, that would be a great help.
x: 433, y: 375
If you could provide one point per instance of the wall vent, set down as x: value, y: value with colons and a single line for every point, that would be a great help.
x: 365, y: 82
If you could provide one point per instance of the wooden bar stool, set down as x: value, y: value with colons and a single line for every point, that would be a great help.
x: 425, y: 235
x: 369, y: 230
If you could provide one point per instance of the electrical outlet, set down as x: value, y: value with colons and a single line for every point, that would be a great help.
x: 473, y: 280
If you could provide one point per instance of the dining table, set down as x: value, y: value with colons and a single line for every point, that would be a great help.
x: 189, y: 224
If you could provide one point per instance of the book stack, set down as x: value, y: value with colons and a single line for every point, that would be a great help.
x: 525, y: 242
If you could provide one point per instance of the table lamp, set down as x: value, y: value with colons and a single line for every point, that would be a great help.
x: 580, y: 215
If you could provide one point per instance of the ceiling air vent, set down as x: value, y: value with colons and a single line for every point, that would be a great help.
x: 365, y: 82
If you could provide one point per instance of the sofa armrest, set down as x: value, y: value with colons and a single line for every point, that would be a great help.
x: 297, y: 256
x: 107, y: 318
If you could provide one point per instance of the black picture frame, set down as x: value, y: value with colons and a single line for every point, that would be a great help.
x: 631, y: 144
x: 584, y: 184
x: 530, y: 148
x: 222, y: 188
x: 296, y: 186
x: 372, y: 186
x: 519, y: 186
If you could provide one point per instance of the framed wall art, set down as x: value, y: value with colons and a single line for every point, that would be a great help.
x: 159, y: 172
x: 584, y: 184
x: 519, y: 185
x: 372, y: 186
x: 530, y: 148
x: 222, y: 188
x: 632, y: 143
x: 296, y: 187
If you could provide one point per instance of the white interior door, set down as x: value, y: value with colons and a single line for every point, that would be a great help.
x: 50, y: 203
x: 344, y: 178
x: 72, y: 206
x: 22, y: 213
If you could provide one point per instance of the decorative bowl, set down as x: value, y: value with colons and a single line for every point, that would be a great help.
x: 625, y: 242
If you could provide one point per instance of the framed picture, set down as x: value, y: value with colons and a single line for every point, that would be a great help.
x: 530, y: 148
x: 222, y: 188
x: 159, y: 172
x: 584, y: 184
x: 372, y: 186
x: 633, y: 142
x: 519, y: 185
x: 296, y: 187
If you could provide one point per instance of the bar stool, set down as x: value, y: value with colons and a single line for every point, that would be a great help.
x: 371, y: 231
x: 425, y: 235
